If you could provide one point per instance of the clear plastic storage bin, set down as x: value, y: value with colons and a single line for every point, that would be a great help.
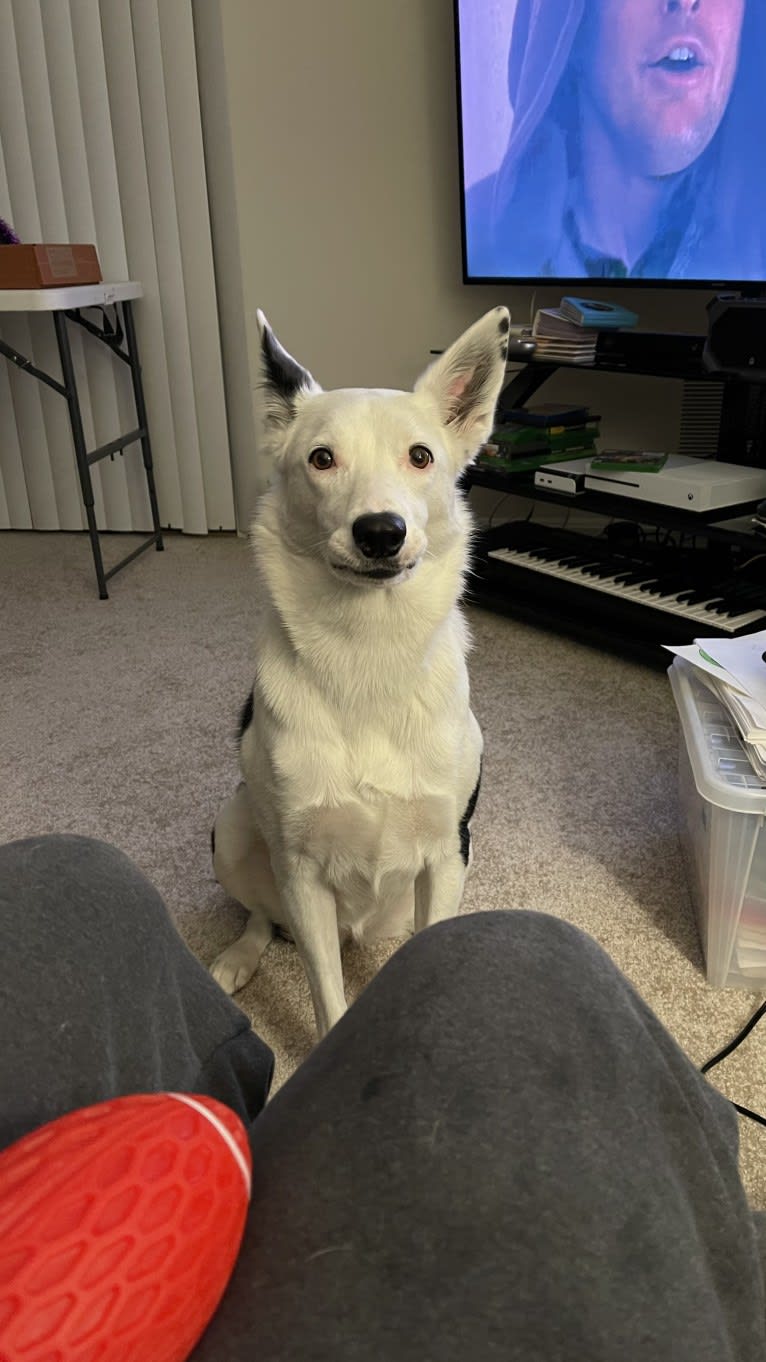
x: 722, y: 805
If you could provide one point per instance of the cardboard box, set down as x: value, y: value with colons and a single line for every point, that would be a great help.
x: 59, y: 266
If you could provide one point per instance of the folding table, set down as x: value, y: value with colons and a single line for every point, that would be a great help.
x: 68, y: 304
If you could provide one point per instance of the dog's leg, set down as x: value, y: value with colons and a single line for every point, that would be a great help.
x: 313, y: 918
x: 439, y: 891
x: 237, y: 964
x: 241, y: 865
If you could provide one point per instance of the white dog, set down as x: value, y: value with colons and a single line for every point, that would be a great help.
x: 359, y: 752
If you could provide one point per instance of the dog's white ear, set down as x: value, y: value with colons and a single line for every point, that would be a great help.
x: 466, y: 380
x: 283, y: 380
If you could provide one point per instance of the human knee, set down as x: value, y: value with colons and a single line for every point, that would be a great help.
x: 52, y: 853
x: 65, y: 879
x: 47, y: 852
x: 517, y: 956
x: 519, y: 934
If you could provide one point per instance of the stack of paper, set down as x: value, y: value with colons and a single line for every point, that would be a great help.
x: 557, y: 338
x: 735, y: 670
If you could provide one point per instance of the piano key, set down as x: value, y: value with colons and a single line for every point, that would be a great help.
x: 694, y: 604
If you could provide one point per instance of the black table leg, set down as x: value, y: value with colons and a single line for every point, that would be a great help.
x: 75, y: 418
x: 138, y: 393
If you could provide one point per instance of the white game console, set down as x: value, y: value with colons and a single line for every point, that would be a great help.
x: 684, y: 483
x: 564, y: 479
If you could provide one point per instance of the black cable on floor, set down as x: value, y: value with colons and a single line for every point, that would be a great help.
x: 727, y: 1050
x: 752, y: 1114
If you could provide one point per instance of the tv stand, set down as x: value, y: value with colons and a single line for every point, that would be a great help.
x: 654, y: 575
x: 742, y: 432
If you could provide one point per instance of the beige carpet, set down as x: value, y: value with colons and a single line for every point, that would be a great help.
x: 118, y: 721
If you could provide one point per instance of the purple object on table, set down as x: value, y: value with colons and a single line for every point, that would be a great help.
x: 7, y: 235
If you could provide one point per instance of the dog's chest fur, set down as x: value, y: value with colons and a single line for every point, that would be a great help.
x: 368, y: 775
x: 368, y: 842
x: 376, y: 834
x: 355, y: 797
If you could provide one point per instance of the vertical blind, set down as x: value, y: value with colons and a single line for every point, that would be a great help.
x: 101, y: 141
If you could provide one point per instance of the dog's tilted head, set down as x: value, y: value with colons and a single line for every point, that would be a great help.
x: 369, y: 475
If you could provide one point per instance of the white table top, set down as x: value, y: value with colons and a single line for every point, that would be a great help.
x: 56, y: 299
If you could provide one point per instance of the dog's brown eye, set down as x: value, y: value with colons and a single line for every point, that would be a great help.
x: 321, y: 457
x: 420, y: 456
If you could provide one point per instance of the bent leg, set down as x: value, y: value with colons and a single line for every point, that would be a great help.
x: 498, y: 1152
x: 100, y: 996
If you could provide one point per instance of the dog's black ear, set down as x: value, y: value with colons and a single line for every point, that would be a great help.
x: 465, y: 381
x: 283, y: 380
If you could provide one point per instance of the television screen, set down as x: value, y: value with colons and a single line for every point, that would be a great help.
x: 613, y: 139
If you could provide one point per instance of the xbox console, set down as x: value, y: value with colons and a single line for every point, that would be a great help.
x: 684, y: 483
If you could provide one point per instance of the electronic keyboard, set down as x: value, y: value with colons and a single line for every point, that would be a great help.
x: 659, y: 597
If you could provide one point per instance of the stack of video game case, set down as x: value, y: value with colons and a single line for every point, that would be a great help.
x: 528, y: 437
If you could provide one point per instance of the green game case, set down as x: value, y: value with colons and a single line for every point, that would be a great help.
x: 628, y: 461
x: 519, y: 449
x: 506, y: 462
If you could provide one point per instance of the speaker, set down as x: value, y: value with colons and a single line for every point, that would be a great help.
x: 736, y: 339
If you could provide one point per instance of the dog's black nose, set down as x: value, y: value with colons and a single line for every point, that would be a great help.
x: 379, y: 534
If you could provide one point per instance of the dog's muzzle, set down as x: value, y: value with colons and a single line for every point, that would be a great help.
x: 379, y: 534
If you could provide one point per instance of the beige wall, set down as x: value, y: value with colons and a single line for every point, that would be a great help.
x: 343, y: 120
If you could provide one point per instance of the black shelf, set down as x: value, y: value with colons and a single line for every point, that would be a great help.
x: 683, y: 362
x: 713, y: 523
x: 650, y: 354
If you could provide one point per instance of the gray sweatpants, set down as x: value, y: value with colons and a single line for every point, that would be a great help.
x: 498, y: 1152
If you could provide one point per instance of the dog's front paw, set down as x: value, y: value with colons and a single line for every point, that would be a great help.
x: 234, y: 967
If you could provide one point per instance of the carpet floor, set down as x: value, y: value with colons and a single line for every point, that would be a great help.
x: 119, y: 721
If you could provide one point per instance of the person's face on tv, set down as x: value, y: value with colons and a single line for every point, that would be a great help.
x: 659, y: 74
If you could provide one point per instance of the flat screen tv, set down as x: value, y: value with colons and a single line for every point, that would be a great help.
x: 613, y: 140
